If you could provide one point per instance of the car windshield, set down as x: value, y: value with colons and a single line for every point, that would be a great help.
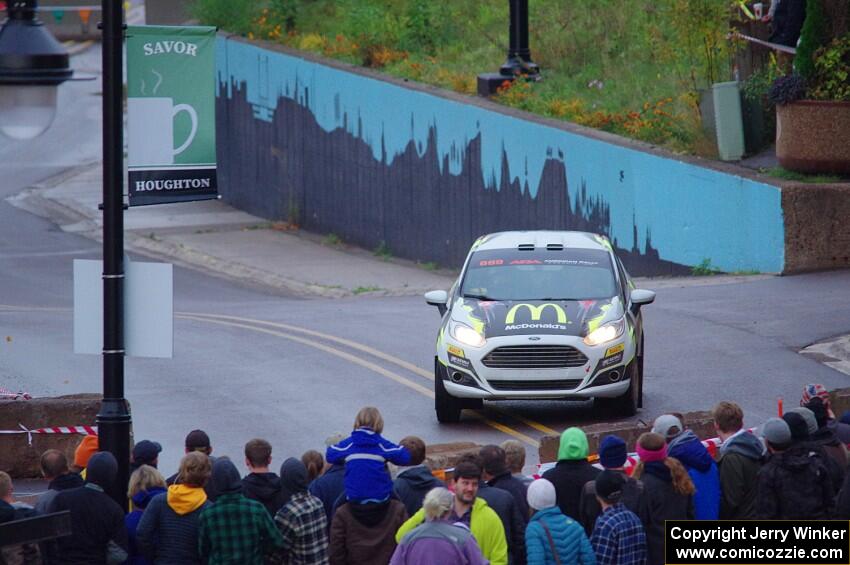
x: 569, y: 274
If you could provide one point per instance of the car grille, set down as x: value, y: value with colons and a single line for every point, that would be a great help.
x: 534, y: 357
x: 564, y: 384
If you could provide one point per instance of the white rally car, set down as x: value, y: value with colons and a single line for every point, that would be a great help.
x: 540, y: 315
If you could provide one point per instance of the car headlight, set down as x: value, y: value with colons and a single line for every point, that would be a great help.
x: 466, y: 335
x: 605, y: 333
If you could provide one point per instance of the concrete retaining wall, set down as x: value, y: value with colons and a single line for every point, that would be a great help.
x: 372, y: 159
x: 817, y: 226
x: 20, y: 459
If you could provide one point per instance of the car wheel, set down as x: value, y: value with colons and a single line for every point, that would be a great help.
x: 626, y: 404
x: 447, y: 406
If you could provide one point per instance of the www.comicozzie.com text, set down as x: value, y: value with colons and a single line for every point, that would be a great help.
x: 756, y: 533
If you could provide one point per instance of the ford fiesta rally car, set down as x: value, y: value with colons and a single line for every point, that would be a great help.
x: 540, y: 315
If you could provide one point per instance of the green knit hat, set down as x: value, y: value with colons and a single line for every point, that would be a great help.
x: 573, y: 445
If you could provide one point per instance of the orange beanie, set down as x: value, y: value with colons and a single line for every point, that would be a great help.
x: 85, y: 450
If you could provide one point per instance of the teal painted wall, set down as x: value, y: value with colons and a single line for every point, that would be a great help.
x: 692, y: 213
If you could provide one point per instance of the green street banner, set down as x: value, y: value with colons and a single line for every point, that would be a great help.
x: 170, y: 114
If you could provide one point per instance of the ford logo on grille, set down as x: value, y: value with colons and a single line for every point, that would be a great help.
x: 534, y: 338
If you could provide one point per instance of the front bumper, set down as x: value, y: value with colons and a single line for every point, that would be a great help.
x: 604, y: 375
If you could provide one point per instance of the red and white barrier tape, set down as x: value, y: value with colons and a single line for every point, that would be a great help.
x: 6, y: 394
x: 632, y: 459
x: 81, y: 430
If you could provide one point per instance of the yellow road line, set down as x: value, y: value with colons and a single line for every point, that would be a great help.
x: 321, y: 346
x: 226, y: 320
x: 506, y: 429
x: 371, y: 351
x: 363, y: 363
x: 347, y: 342
x: 530, y: 423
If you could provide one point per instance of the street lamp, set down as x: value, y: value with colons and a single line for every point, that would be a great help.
x: 32, y: 65
x: 518, y: 62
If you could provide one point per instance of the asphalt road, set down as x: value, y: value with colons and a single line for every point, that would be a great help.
x: 250, y: 363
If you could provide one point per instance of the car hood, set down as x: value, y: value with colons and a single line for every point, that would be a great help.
x: 494, y: 318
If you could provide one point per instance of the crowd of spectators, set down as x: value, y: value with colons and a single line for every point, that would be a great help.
x: 346, y: 508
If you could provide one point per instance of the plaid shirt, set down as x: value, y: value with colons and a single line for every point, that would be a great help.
x: 236, y: 530
x: 618, y: 537
x: 304, y: 527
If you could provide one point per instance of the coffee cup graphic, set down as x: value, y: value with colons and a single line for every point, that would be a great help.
x: 150, y: 125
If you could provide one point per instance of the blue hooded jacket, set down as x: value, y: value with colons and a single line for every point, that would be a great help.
x: 365, y: 454
x: 689, y: 450
x: 131, y: 520
x: 569, y: 538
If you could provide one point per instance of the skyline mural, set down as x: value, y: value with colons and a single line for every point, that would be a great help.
x: 375, y: 162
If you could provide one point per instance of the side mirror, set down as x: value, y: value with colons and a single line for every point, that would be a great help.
x: 641, y: 297
x: 437, y: 298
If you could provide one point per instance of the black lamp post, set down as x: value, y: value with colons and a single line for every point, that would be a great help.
x: 518, y: 62
x: 32, y: 65
x: 114, y: 419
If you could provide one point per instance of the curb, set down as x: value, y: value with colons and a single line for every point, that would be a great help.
x: 201, y: 261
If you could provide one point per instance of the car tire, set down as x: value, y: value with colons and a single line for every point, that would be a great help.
x: 626, y: 404
x: 448, y: 407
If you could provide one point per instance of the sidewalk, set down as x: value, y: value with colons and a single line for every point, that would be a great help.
x: 216, y: 238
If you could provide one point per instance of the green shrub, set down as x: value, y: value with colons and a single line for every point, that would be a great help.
x: 831, y: 77
x: 237, y: 16
x: 705, y: 269
x: 629, y: 67
x: 812, y: 37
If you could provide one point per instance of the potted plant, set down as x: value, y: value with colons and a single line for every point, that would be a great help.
x: 813, y: 105
x: 813, y: 117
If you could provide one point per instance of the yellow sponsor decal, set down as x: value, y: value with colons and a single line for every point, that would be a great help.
x: 614, y: 349
x: 456, y: 351
x: 536, y: 312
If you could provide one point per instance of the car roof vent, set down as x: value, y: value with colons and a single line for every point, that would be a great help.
x: 526, y: 247
x: 555, y: 247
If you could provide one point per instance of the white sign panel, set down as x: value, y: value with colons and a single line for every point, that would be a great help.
x: 148, y: 308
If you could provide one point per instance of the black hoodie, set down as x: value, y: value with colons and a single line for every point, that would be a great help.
x: 60, y: 483
x: 293, y: 477
x: 266, y: 489
x: 225, y: 477
x: 96, y: 519
x: 794, y: 485
x: 411, y: 486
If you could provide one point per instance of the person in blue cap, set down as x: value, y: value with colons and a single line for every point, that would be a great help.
x: 146, y: 452
x: 612, y: 457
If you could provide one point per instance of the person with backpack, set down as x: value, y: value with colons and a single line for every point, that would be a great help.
x: 552, y: 538
x: 794, y: 484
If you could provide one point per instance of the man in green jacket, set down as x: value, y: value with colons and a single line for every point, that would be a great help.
x: 741, y: 457
x: 472, y: 511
